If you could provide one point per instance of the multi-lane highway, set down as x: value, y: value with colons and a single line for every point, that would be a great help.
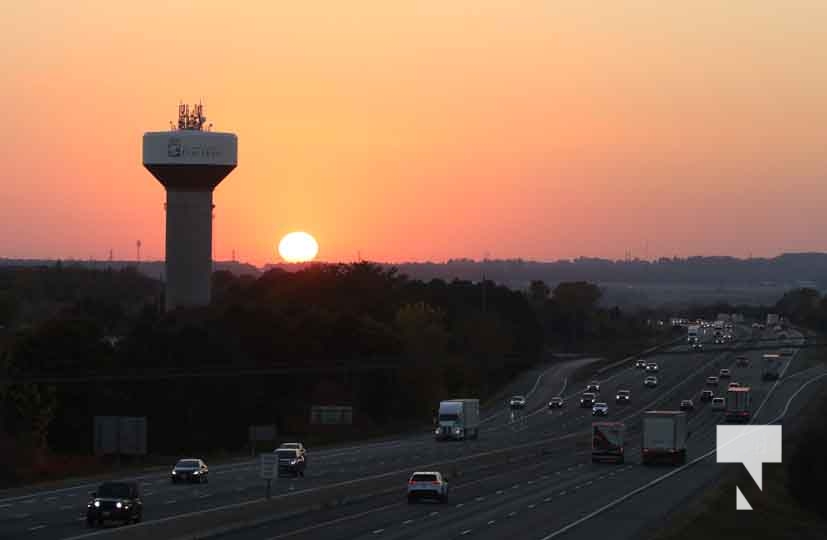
x: 58, y: 512
x: 548, y: 487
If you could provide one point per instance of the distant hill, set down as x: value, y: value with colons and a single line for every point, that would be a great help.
x: 782, y: 272
x: 153, y: 269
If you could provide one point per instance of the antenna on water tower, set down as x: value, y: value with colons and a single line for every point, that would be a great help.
x: 138, y: 250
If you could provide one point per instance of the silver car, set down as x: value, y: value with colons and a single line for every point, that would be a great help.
x: 600, y: 409
x: 427, y: 485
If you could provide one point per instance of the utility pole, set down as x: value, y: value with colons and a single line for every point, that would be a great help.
x: 484, y: 306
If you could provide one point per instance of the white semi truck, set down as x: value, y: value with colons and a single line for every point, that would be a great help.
x: 664, y: 437
x: 459, y: 419
x: 693, y: 333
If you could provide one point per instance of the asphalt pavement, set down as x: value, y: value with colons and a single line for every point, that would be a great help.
x: 553, y: 493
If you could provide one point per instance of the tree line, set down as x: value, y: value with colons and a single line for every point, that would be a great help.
x: 357, y: 334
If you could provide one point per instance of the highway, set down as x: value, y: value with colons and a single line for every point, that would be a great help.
x: 58, y: 512
x: 553, y: 493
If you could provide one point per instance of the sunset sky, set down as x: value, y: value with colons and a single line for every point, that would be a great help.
x: 424, y: 130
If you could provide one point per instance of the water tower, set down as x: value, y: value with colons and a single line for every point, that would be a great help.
x: 189, y: 161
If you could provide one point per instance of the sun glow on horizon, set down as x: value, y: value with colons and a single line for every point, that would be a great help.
x: 298, y: 247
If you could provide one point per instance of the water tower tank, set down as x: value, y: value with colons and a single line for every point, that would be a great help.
x: 190, y: 162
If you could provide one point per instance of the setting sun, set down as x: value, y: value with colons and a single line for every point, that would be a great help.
x: 298, y: 247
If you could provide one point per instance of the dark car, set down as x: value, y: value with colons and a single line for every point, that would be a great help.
x: 707, y: 395
x: 291, y: 462
x: 593, y: 387
x: 623, y: 396
x: 640, y: 364
x: 587, y: 400
x: 687, y: 405
x: 556, y: 403
x: 115, y: 501
x: 190, y: 470
x: 517, y: 402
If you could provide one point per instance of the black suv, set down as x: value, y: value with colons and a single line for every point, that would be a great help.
x: 115, y: 501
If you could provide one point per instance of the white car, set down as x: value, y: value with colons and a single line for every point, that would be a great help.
x: 293, y: 446
x: 724, y: 373
x: 718, y: 404
x: 712, y: 380
x: 427, y: 485
x: 517, y: 402
x: 600, y: 409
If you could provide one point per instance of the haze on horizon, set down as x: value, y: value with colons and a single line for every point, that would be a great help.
x: 427, y: 131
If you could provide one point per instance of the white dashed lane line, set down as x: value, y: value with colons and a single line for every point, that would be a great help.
x: 512, y: 514
x: 493, y: 521
x: 407, y: 522
x: 432, y: 514
x: 5, y: 506
x: 532, y: 506
x: 460, y: 505
x: 547, y: 500
x: 171, y: 501
x: 378, y: 531
x: 30, y: 501
x: 466, y: 531
x: 37, y: 527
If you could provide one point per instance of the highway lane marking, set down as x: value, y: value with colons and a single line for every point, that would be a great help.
x: 432, y: 514
x: 530, y: 482
x: 460, y: 505
x: 171, y: 501
x: 547, y: 500
x: 374, y: 477
x: 512, y: 514
x: 204, y: 495
x: 50, y: 499
x: 588, y: 483
x: 466, y: 531
x: 479, y: 499
x: 532, y: 506
x: 5, y: 505
x: 37, y: 527
x: 407, y: 522
x: 515, y: 486
x: 30, y: 501
x: 493, y: 521
x: 499, y: 492
x: 66, y: 507
x: 378, y: 531
x: 562, y: 493
x: 650, y: 484
x: 20, y: 516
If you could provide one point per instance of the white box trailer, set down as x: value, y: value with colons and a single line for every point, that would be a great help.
x: 664, y: 437
x: 607, y: 441
x: 459, y: 419
x: 738, y: 404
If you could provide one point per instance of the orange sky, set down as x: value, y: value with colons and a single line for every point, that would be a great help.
x: 424, y: 130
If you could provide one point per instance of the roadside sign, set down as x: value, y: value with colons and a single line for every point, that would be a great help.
x: 268, y: 464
